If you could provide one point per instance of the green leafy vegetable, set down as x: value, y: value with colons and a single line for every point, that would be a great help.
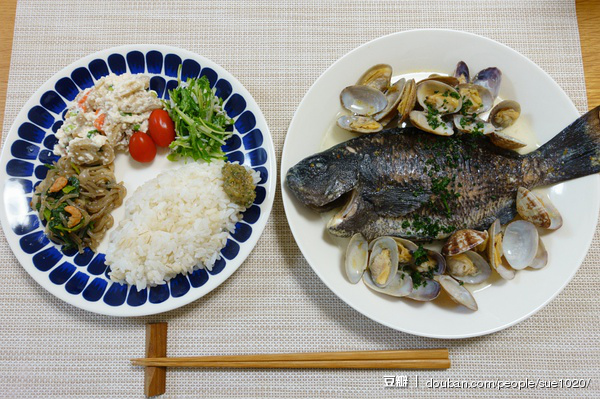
x: 200, y: 123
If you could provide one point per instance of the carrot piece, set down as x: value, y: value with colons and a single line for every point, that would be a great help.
x: 99, y: 122
x: 82, y: 101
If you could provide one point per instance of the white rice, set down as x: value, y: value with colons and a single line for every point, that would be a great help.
x: 175, y: 223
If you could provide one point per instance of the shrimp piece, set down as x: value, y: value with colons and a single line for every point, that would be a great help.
x: 58, y: 184
x: 75, y: 216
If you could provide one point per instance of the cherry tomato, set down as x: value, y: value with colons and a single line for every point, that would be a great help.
x: 160, y: 128
x: 141, y: 147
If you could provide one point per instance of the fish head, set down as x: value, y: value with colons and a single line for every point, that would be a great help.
x: 323, y: 178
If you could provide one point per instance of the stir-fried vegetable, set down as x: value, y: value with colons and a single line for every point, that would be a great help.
x: 200, y: 122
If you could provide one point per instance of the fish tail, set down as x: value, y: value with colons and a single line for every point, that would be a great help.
x: 574, y: 152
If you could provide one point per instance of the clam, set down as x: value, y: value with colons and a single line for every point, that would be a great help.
x: 505, y: 141
x: 467, y: 124
x: 490, y: 78
x: 359, y: 124
x: 468, y: 267
x: 434, y: 263
x: 401, y: 285
x: 393, y: 96
x: 383, y: 261
x: 431, y: 123
x: 541, y: 257
x: 427, y: 291
x: 378, y: 76
x: 462, y: 72
x: 520, y: 244
x: 405, y: 250
x: 494, y: 252
x: 457, y: 292
x: 449, y: 80
x: 438, y: 96
x: 504, y: 114
x: 476, y: 99
x: 357, y: 256
x: 464, y: 240
x: 541, y: 213
x: 363, y: 100
x: 408, y: 99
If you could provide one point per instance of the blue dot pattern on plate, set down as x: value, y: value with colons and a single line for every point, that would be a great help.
x: 86, y: 275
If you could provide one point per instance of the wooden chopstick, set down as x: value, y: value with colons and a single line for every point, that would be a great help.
x: 394, y: 359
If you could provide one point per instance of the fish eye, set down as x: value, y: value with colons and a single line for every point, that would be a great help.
x: 317, y: 166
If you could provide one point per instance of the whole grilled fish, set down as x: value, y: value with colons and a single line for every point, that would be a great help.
x: 407, y: 183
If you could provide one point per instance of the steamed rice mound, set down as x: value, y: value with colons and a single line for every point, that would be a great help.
x: 173, y: 224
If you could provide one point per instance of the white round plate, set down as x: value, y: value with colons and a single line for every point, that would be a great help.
x: 546, y: 109
x: 82, y: 279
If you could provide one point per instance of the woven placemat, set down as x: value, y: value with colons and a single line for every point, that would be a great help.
x: 274, y: 302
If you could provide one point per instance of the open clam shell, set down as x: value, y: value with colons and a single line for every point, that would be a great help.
x: 457, y: 292
x: 359, y: 124
x: 378, y: 76
x: 432, y: 94
x: 476, y: 99
x: 408, y: 99
x: 462, y: 72
x: 431, y: 124
x: 495, y: 252
x: 505, y: 114
x: 467, y: 124
x: 468, y: 267
x: 505, y: 141
x: 357, y: 257
x: 464, y: 240
x: 393, y: 96
x: 363, y: 100
x: 490, y: 78
x: 383, y: 261
x: 520, y: 244
x: 428, y: 291
x: 449, y: 80
x: 541, y: 213
x: 400, y: 286
x: 541, y: 257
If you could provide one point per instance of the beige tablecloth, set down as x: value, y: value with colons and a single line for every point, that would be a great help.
x: 274, y: 302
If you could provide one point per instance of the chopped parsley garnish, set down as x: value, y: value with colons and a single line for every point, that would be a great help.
x: 467, y: 104
x: 420, y: 255
x: 433, y: 118
x: 136, y: 127
x: 418, y: 278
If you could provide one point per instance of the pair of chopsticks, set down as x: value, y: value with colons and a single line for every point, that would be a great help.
x: 389, y: 359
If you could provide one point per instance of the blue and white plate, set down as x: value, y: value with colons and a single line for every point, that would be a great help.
x: 82, y: 279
